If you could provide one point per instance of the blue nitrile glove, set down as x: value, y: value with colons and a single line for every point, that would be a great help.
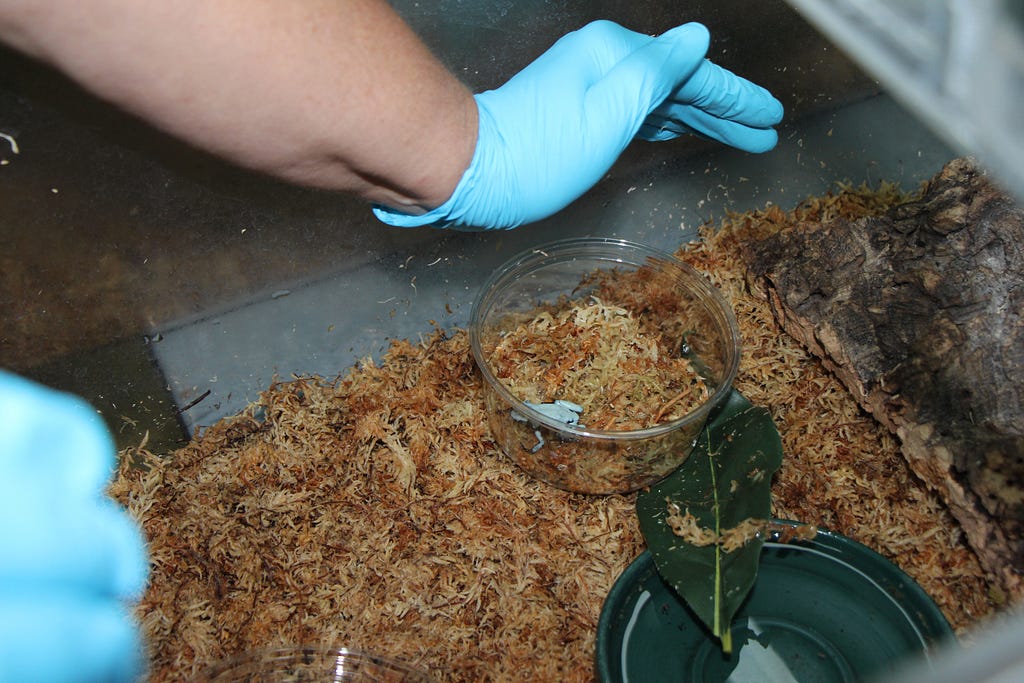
x: 70, y: 558
x: 556, y: 127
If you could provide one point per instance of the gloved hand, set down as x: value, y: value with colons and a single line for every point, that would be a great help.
x: 70, y: 559
x: 556, y: 127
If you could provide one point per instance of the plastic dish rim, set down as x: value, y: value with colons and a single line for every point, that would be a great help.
x: 212, y: 671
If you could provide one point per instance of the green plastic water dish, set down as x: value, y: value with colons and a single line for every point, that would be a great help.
x: 821, y: 611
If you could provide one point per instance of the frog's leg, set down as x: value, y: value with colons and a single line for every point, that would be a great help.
x: 540, y: 441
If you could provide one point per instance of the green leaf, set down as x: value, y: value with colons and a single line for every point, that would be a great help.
x: 725, y: 481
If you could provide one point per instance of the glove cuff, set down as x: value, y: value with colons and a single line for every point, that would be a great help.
x: 447, y: 215
x: 471, y: 206
x: 435, y: 218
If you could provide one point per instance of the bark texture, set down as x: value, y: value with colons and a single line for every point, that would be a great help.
x: 920, y: 311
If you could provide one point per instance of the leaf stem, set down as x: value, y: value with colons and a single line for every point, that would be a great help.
x: 725, y: 635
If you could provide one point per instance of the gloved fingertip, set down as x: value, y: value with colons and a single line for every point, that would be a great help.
x: 760, y: 141
x: 687, y: 47
x: 56, y: 432
x: 694, y: 35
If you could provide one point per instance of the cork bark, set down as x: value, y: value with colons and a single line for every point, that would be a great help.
x: 920, y: 311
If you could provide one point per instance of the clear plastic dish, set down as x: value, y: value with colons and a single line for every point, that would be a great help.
x: 575, y: 457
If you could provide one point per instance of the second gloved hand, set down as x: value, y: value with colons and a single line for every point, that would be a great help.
x: 71, y: 560
x: 556, y: 128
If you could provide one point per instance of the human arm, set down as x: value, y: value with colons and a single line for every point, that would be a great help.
x: 341, y: 94
x: 337, y: 94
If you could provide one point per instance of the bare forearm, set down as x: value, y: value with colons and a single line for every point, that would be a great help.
x: 337, y: 94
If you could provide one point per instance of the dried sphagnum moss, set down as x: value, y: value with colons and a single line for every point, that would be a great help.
x: 599, y: 356
x: 375, y: 512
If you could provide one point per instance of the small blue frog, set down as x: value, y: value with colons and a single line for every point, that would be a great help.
x: 560, y: 410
